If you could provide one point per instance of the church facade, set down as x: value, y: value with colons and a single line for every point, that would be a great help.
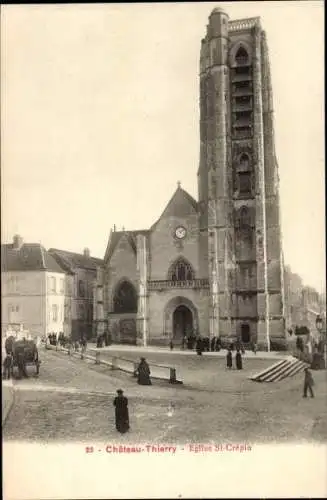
x: 211, y: 267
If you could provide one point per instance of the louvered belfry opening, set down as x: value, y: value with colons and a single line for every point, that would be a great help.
x: 242, y: 95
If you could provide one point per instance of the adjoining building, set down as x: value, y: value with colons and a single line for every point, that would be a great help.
x: 212, y: 267
x: 82, y: 269
x: 32, y: 289
x: 303, y: 305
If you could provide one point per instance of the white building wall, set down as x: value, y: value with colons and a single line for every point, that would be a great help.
x: 23, y: 300
x: 55, y: 302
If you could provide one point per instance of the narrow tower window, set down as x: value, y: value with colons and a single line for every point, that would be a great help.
x: 244, y: 182
x: 244, y: 161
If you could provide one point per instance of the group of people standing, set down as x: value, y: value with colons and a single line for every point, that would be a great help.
x: 206, y: 344
x: 104, y: 339
x: 58, y: 339
x: 238, y: 359
x: 52, y: 338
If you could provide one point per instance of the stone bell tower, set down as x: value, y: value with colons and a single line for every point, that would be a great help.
x: 238, y: 183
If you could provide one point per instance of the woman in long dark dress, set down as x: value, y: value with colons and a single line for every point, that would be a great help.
x: 199, y: 346
x: 238, y: 359
x: 121, y: 412
x: 143, y: 373
x: 229, y: 359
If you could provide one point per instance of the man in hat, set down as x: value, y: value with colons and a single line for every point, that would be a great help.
x: 143, y: 373
x: 121, y: 412
x: 308, y: 383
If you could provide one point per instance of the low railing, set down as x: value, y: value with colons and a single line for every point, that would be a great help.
x: 158, y: 372
x: 162, y: 284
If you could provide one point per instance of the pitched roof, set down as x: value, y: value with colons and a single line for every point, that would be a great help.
x: 72, y: 260
x: 29, y: 257
x: 115, y: 237
x: 181, y: 204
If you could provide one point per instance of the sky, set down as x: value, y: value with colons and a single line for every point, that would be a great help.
x: 100, y: 119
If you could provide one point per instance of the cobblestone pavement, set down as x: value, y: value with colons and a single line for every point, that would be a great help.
x: 197, y: 372
x: 72, y: 401
x: 177, y: 351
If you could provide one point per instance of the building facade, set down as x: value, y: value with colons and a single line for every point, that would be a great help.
x: 211, y: 267
x: 81, y: 270
x: 303, y: 305
x: 33, y: 289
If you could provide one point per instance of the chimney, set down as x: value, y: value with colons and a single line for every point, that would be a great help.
x: 17, y: 242
x: 114, y: 227
x: 86, y: 252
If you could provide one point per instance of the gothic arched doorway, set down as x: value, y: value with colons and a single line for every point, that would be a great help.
x: 182, y: 322
x: 180, y: 319
x: 245, y: 333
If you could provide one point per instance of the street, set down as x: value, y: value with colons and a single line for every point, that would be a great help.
x: 71, y: 400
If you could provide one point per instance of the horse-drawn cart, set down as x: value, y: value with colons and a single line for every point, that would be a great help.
x: 24, y: 352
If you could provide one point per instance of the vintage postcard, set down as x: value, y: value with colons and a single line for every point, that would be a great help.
x: 163, y: 250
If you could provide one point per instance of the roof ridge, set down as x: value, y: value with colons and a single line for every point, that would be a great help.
x: 73, y: 253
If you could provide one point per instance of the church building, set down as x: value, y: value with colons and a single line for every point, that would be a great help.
x: 210, y: 267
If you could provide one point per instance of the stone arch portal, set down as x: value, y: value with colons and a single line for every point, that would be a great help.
x: 180, y: 318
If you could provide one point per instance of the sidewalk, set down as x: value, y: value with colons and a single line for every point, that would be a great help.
x: 7, y: 398
x: 180, y: 352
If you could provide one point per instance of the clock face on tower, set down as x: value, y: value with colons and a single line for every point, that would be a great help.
x: 180, y: 232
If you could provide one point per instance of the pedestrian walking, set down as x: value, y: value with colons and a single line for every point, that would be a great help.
x: 229, y: 358
x: 254, y: 348
x: 171, y: 345
x: 8, y: 365
x: 308, y: 383
x: 143, y: 373
x: 238, y: 360
x: 121, y: 412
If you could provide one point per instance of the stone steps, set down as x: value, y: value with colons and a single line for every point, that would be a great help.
x: 280, y: 370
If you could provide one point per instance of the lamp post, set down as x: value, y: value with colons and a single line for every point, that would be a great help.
x: 319, y: 325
